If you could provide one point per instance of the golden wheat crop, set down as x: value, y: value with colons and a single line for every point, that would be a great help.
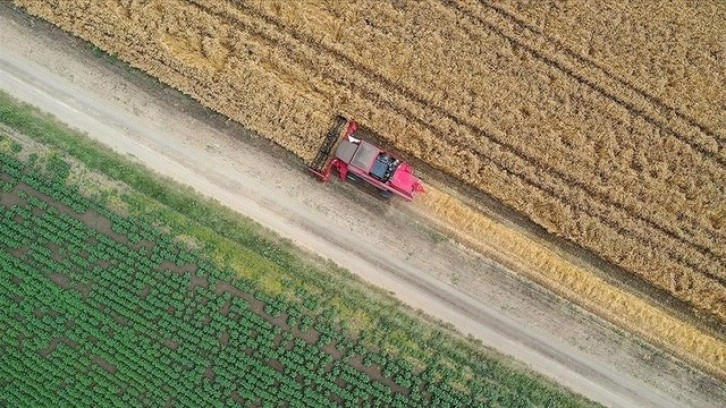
x: 673, y: 49
x: 575, y: 143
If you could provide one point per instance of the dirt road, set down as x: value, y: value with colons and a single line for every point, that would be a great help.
x: 171, y: 136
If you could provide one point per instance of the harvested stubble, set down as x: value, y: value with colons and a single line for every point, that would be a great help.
x: 466, y: 88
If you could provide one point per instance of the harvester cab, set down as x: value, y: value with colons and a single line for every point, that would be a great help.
x: 359, y: 160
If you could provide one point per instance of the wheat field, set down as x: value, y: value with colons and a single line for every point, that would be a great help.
x: 672, y: 49
x: 609, y: 137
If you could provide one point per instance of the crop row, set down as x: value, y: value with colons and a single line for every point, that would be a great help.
x: 125, y: 354
x: 99, y: 313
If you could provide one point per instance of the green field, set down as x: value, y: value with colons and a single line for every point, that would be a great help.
x: 119, y: 288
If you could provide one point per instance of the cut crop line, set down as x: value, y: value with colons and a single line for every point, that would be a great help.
x: 581, y: 79
x: 663, y: 106
x: 357, y: 67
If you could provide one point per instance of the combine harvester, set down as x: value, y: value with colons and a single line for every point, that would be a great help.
x: 358, y: 160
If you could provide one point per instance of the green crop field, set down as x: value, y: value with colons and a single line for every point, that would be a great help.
x: 131, y: 296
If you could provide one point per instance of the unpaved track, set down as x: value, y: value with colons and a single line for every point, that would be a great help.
x: 342, y: 224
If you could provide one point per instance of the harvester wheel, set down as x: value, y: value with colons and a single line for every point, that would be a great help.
x: 353, y: 178
x: 385, y: 194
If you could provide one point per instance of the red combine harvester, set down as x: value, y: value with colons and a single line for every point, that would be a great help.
x: 358, y: 160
